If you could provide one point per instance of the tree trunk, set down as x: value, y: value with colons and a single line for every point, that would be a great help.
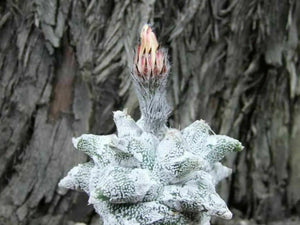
x: 64, y: 69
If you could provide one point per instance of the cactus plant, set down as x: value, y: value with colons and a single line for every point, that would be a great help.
x: 148, y: 173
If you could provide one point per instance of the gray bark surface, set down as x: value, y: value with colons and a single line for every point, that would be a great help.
x: 64, y: 67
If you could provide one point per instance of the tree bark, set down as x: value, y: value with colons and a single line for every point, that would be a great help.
x: 64, y: 69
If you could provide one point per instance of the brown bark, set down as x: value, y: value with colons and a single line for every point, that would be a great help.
x: 64, y: 68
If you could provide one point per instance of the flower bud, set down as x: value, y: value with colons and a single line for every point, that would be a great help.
x: 149, y: 75
x: 150, y: 60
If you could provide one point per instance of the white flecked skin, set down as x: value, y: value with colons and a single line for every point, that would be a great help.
x: 137, y: 178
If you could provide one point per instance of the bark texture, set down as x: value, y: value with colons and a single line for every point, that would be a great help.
x: 64, y: 68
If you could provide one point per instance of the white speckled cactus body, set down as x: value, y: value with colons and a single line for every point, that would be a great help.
x: 148, y: 173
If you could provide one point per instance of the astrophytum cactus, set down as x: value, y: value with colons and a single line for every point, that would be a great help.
x: 148, y: 173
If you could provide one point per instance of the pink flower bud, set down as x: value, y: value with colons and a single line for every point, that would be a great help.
x: 150, y: 60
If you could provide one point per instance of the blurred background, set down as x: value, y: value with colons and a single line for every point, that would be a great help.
x: 64, y: 69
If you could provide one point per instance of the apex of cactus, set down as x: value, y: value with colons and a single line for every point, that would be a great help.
x: 147, y: 173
